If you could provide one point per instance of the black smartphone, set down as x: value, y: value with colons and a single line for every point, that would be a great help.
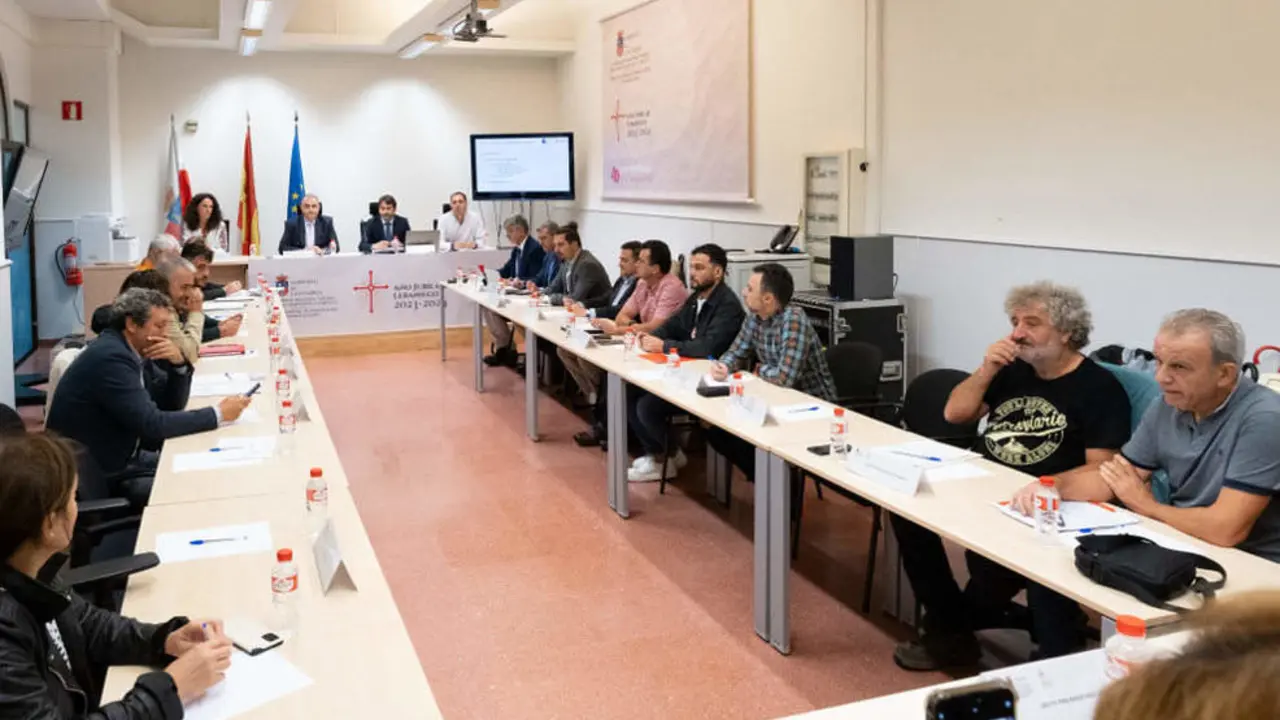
x: 823, y: 450
x: 253, y: 390
x: 990, y: 700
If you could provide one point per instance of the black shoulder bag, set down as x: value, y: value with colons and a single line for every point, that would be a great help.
x: 1146, y: 570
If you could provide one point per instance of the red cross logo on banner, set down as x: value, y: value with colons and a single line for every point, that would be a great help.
x: 370, y: 288
x: 616, y: 117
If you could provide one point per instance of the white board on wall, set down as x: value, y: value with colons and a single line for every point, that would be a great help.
x: 677, y: 102
x: 1145, y: 126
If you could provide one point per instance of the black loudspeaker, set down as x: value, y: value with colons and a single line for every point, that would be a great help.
x: 862, y: 267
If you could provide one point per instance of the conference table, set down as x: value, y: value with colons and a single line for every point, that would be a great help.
x: 963, y: 511
x: 351, y: 642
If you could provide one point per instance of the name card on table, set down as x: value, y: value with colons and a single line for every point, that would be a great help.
x: 887, y: 469
x: 329, y: 564
x: 579, y: 339
x: 300, y: 407
x: 752, y: 411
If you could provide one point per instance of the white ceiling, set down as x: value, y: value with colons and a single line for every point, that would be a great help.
x: 534, y: 27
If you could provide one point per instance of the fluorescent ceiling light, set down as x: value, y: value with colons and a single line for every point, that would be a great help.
x: 488, y: 7
x: 421, y: 45
x: 249, y: 41
x: 255, y: 17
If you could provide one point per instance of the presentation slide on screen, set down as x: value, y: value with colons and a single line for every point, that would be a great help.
x: 522, y: 165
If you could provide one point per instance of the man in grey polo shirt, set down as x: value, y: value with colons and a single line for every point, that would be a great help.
x: 1216, y: 434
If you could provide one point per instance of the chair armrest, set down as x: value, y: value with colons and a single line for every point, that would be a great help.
x: 93, y: 507
x: 117, y: 569
x: 107, y: 527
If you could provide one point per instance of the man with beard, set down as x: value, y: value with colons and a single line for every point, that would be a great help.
x: 705, y: 326
x: 1051, y: 412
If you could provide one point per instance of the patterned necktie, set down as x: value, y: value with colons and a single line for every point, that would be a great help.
x: 386, y: 228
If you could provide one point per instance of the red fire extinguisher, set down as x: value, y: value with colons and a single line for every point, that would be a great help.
x: 68, y: 257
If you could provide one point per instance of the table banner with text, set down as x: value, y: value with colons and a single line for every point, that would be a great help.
x: 361, y: 294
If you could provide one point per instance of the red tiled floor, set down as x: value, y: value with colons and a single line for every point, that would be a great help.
x: 526, y: 596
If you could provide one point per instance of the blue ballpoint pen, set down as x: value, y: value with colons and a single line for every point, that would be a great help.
x: 930, y: 458
x: 206, y: 541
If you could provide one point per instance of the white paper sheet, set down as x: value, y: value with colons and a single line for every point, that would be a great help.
x: 250, y: 416
x: 1070, y: 539
x: 221, y: 384
x: 800, y: 412
x: 654, y: 375
x: 214, y: 542
x: 250, y: 682
x: 712, y: 382
x: 200, y: 461
x: 929, y: 451
x: 954, y: 471
x: 258, y: 446
x: 1064, y: 688
x: 226, y: 304
x: 1079, y: 515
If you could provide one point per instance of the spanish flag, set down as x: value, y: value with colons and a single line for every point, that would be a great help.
x: 248, y: 220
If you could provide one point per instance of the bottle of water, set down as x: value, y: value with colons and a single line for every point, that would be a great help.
x: 737, y: 390
x: 1048, y: 507
x: 839, y: 434
x: 283, y: 385
x: 317, y: 500
x: 284, y: 587
x: 277, y: 359
x: 628, y: 344
x: 673, y: 366
x: 1128, y: 648
x: 288, y: 426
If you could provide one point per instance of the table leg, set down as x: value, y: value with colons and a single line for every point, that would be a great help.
x: 616, y: 432
x: 760, y: 545
x: 477, y: 346
x: 531, y: 385
x: 444, y: 352
x: 718, y: 476
x: 779, y: 554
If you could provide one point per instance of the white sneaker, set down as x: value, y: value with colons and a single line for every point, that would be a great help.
x: 640, y: 461
x: 679, y: 460
x: 646, y: 470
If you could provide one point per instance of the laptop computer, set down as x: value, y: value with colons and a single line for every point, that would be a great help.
x: 423, y: 237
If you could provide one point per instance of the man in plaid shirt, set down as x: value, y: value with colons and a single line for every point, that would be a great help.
x: 779, y: 343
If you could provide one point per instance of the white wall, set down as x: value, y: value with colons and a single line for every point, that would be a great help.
x: 75, y: 61
x: 15, y: 50
x: 808, y: 96
x: 369, y: 125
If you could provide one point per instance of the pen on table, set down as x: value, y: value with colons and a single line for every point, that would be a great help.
x: 206, y: 541
x: 930, y: 458
x: 793, y: 411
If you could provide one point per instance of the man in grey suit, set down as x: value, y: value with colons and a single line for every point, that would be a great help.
x: 582, y: 278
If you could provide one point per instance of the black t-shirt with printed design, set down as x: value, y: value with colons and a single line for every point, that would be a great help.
x: 1043, y: 427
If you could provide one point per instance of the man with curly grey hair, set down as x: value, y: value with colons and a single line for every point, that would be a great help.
x: 1050, y: 411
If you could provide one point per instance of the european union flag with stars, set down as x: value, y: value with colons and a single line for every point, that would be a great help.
x: 297, y: 186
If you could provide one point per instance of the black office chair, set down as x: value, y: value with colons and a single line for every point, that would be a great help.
x: 924, y: 403
x: 101, y: 553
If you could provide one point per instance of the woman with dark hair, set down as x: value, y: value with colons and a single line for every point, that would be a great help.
x: 52, y: 643
x: 203, y: 221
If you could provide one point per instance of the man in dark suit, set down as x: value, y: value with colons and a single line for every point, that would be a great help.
x: 386, y: 231
x: 582, y: 278
x: 705, y: 326
x: 310, y: 230
x: 104, y: 402
x: 526, y: 252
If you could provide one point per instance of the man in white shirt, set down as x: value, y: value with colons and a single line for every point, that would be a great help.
x: 461, y: 229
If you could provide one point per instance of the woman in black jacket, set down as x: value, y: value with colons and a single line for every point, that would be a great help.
x: 53, y: 644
